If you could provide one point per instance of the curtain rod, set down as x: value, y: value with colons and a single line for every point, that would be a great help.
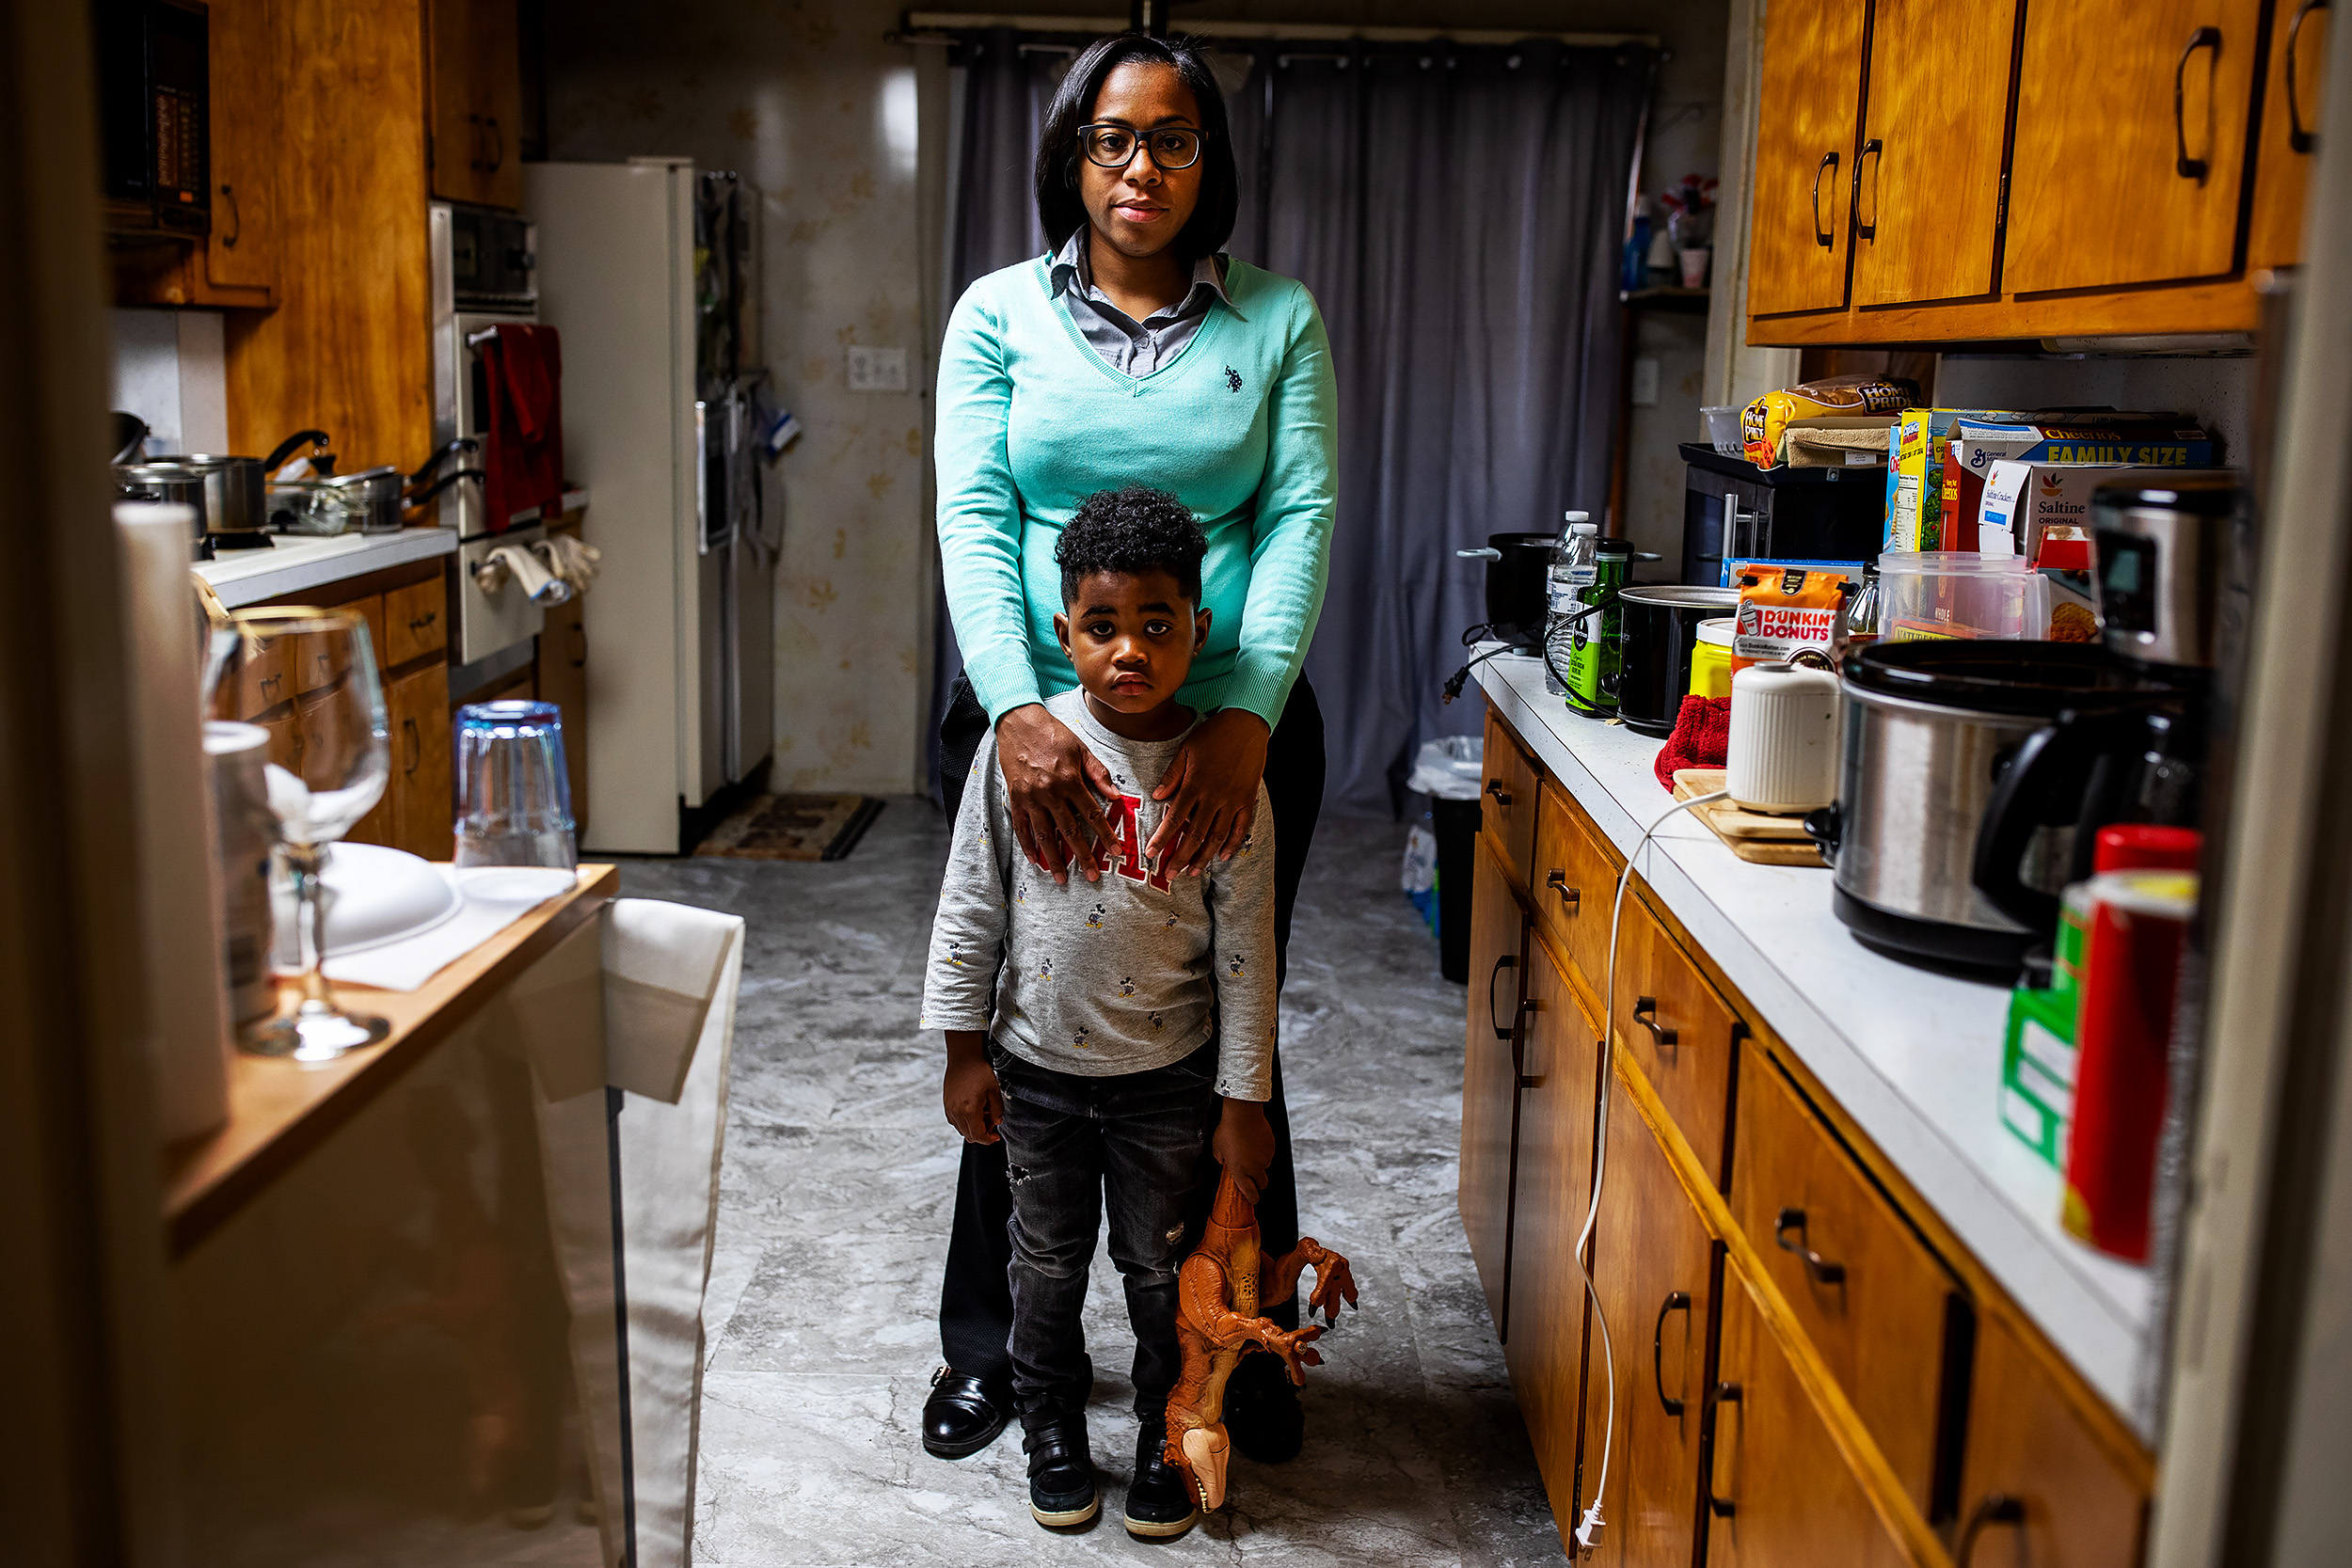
x: 942, y: 26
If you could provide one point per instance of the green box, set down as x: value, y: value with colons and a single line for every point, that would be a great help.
x: 2038, y: 1070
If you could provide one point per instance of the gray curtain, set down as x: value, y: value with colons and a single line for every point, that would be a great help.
x: 1458, y: 213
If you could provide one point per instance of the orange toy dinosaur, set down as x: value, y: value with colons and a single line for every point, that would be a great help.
x: 1218, y: 1293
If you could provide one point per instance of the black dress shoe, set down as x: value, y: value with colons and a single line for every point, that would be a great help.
x: 1262, y: 1412
x: 1161, y: 1500
x: 1061, y: 1470
x: 962, y: 1416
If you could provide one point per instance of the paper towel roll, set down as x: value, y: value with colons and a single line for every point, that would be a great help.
x: 179, y: 946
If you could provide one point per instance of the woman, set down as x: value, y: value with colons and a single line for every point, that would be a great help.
x: 1131, y: 352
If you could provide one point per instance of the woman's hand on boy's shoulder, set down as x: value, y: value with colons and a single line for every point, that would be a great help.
x: 1211, y: 792
x: 1055, y: 790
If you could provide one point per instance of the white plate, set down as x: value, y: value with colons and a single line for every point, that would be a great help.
x: 378, y: 896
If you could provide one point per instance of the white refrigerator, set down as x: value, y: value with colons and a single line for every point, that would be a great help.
x: 658, y: 376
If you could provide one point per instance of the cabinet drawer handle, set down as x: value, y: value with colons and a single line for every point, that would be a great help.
x: 1518, y: 1046
x: 1998, y: 1509
x: 1502, y: 795
x: 1571, y: 899
x: 412, y: 744
x: 1721, y: 1508
x: 1822, y: 236
x: 1506, y: 961
x: 1645, y: 1014
x: 236, y: 220
x: 2299, y: 137
x: 1823, y: 1271
x: 1677, y: 1301
x: 1872, y: 150
x: 2183, y: 165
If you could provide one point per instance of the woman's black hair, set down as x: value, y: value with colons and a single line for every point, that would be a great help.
x: 1060, y: 210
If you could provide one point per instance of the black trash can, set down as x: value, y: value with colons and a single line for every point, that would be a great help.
x: 1456, y: 823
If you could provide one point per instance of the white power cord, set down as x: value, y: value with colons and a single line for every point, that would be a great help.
x: 1588, y: 1528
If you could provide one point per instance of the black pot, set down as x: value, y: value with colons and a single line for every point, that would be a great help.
x: 1662, y: 627
x: 1518, y: 567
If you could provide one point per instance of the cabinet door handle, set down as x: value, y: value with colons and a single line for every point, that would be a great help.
x: 2300, y: 137
x: 1518, y: 1046
x: 236, y: 221
x: 1503, y: 962
x: 1502, y: 795
x: 1872, y: 150
x: 1721, y: 1508
x: 1571, y: 899
x: 2183, y: 165
x: 1822, y: 236
x: 412, y: 746
x: 1645, y: 1014
x: 1996, y: 1509
x: 1823, y: 1271
x: 579, y: 647
x: 497, y: 145
x: 1677, y: 1301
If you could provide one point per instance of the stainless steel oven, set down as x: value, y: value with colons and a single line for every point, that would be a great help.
x: 483, y: 276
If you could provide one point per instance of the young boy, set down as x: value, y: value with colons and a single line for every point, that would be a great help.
x: 1129, y: 1015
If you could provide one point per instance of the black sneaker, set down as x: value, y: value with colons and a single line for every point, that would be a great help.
x: 1261, y: 1411
x: 1061, y: 1471
x: 1163, y: 1500
x: 962, y: 1415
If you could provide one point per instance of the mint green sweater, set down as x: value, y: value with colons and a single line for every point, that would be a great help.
x: 1240, y: 426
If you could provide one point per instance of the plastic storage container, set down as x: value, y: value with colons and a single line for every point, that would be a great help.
x: 1723, y: 430
x: 1934, y: 594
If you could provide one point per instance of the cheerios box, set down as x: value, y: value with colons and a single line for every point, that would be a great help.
x: 1916, y: 518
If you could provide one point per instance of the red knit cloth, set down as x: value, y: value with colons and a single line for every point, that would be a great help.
x: 523, y: 457
x: 1702, y: 737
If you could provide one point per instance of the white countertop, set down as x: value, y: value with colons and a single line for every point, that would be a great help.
x: 1914, y: 1056
x: 293, y: 564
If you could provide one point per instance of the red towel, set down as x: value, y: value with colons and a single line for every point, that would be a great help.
x: 522, y: 460
x: 1701, y: 738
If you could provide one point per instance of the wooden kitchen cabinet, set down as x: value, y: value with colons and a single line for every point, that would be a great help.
x: 1561, y: 1061
x: 1927, y: 181
x: 477, y: 103
x: 1508, y: 802
x: 1652, y: 1267
x: 415, y: 620
x: 1868, y: 1294
x: 417, y: 709
x: 1572, y: 882
x: 1779, y: 1491
x: 241, y: 253
x: 1808, y: 99
x: 1680, y: 1030
x: 2130, y: 172
x: 2296, y: 84
x: 563, y: 679
x: 2039, y: 1486
x: 1490, y: 1092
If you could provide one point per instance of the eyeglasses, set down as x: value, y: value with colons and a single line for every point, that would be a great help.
x: 1169, y: 148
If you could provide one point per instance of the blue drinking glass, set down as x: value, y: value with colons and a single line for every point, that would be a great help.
x: 514, y: 829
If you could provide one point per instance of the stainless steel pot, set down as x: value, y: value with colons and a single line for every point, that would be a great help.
x: 235, y: 500
x: 1929, y: 728
x: 171, y: 484
x: 374, y: 495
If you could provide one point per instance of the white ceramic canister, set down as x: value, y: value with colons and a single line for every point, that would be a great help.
x: 1783, y: 754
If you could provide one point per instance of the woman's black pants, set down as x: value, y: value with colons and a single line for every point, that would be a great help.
x: 976, y: 1299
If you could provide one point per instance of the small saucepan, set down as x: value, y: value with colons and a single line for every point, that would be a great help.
x: 1661, y: 626
x: 1518, y: 599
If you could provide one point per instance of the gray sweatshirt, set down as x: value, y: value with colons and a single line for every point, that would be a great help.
x: 1120, y: 975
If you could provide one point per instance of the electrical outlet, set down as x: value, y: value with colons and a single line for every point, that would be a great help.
x: 1644, y: 393
x: 885, y: 370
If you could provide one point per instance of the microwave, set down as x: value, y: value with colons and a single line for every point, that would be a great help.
x: 155, y: 112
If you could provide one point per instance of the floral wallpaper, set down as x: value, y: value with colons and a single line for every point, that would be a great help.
x: 806, y: 101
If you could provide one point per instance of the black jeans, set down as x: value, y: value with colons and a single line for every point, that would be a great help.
x: 1072, y: 1143
x: 975, y: 1297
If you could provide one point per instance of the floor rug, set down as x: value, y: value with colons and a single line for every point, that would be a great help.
x: 793, y: 828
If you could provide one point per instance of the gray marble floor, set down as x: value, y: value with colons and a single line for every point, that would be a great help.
x: 837, y: 1187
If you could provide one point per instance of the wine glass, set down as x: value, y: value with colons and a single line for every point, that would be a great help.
x: 308, y: 676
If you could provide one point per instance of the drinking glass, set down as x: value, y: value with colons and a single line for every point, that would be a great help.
x: 513, y: 801
x: 308, y: 677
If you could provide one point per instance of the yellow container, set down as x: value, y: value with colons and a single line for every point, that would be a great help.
x: 1711, y: 658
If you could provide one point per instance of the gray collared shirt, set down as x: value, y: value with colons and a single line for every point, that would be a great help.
x: 1127, y: 345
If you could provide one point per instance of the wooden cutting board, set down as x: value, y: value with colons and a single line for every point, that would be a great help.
x: 1757, y: 837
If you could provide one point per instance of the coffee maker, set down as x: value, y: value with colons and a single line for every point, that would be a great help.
x: 2169, y: 572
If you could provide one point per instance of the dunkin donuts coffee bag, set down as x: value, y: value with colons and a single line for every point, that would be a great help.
x: 1783, y: 609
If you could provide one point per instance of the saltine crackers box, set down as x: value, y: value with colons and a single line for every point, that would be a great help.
x: 2023, y: 500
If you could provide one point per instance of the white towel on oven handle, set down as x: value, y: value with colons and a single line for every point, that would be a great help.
x: 528, y: 572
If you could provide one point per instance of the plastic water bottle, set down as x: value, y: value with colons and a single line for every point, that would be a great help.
x: 1575, y: 567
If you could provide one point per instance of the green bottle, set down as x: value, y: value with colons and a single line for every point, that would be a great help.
x: 1597, y: 641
